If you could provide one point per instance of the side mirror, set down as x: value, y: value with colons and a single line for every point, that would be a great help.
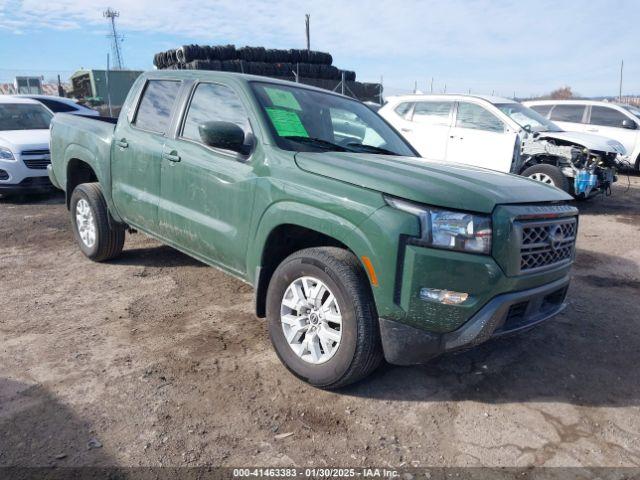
x: 225, y: 135
x: 630, y: 124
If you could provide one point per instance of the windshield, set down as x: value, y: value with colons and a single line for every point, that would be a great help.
x: 307, y: 120
x: 635, y: 111
x: 524, y: 116
x: 23, y: 116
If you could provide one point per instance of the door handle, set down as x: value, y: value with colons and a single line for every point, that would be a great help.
x: 171, y: 156
x: 122, y: 143
x: 592, y: 130
x: 408, y: 130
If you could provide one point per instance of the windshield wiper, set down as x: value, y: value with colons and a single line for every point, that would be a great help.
x: 316, y: 142
x: 370, y: 148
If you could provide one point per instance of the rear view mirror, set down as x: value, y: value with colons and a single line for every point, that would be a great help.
x: 224, y: 135
x: 630, y: 124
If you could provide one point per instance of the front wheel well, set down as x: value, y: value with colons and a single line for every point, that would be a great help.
x: 282, y: 242
x: 540, y: 159
x: 78, y: 171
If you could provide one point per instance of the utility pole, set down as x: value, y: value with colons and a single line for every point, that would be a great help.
x: 431, y: 84
x: 620, y: 92
x: 307, y: 19
x: 116, y: 39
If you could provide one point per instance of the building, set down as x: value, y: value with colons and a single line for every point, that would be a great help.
x: 101, y: 86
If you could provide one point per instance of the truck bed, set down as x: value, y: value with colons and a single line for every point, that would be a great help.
x: 78, y: 137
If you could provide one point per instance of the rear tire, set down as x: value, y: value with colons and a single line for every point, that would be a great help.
x: 98, y: 235
x: 549, y: 174
x: 347, y: 357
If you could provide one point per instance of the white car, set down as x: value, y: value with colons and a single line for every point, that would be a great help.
x: 63, y: 105
x: 504, y: 135
x: 620, y: 122
x: 24, y: 146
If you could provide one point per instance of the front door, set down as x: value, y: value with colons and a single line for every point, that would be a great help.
x: 428, y: 128
x: 207, y: 193
x: 607, y: 122
x: 480, y: 138
x: 136, y: 154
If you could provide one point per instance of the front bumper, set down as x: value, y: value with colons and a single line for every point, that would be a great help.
x: 504, y: 314
x: 26, y: 186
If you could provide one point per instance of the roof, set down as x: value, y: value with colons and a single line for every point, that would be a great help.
x: 45, y: 97
x: 576, y: 101
x: 15, y: 99
x: 449, y: 96
x: 243, y: 77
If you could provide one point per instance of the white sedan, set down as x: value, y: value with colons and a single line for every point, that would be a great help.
x: 24, y: 146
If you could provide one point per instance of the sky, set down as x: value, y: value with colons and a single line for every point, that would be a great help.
x: 483, y: 46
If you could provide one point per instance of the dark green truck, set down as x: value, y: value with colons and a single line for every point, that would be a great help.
x: 357, y: 249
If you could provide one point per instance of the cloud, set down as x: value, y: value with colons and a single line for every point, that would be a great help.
x: 465, y: 41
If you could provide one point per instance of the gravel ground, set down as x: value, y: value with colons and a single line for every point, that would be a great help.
x: 156, y: 359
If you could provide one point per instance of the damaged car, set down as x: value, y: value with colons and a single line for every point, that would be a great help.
x: 504, y: 135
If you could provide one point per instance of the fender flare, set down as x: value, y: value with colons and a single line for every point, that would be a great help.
x: 78, y: 152
x: 301, y: 215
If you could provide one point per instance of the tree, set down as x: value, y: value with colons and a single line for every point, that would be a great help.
x: 562, y: 93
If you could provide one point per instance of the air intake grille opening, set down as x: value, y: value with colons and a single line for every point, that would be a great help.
x: 547, y: 243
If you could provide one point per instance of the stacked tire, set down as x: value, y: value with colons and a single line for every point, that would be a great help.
x: 307, y: 66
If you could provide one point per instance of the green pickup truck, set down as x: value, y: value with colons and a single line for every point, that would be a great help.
x: 357, y: 249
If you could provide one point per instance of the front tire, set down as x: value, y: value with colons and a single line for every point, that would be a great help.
x: 99, y: 237
x: 549, y: 174
x: 322, y: 319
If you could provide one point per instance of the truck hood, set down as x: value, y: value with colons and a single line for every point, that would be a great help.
x: 18, y: 140
x: 587, y: 140
x: 439, y: 184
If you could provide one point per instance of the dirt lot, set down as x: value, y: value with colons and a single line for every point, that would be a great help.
x: 156, y: 359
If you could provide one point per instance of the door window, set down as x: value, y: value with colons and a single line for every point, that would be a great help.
x: 476, y: 117
x: 213, y: 102
x: 541, y: 109
x: 607, y: 117
x: 433, y: 113
x: 403, y: 109
x: 567, y: 113
x: 154, y: 112
x: 56, y: 107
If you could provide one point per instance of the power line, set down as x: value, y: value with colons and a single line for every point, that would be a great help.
x: 116, y: 39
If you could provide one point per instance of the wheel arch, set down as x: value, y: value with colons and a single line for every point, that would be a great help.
x: 288, y: 227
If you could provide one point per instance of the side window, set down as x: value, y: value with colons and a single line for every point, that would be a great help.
x: 212, y: 102
x: 433, y: 113
x: 542, y: 109
x: 476, y: 117
x: 607, y: 117
x: 56, y: 107
x: 402, y: 109
x: 567, y: 113
x: 154, y: 112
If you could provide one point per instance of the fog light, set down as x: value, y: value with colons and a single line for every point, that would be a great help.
x: 443, y: 296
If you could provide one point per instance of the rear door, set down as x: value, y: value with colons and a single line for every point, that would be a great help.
x: 569, y: 116
x: 428, y: 129
x: 480, y: 138
x: 607, y: 121
x: 207, y: 193
x: 137, y: 152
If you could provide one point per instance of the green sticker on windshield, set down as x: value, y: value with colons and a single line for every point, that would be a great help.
x: 286, y: 122
x: 282, y: 98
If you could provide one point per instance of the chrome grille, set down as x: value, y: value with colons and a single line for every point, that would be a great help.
x: 36, y: 159
x: 547, y: 243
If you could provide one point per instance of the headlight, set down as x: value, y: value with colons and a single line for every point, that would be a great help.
x: 6, y: 154
x: 463, y: 231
